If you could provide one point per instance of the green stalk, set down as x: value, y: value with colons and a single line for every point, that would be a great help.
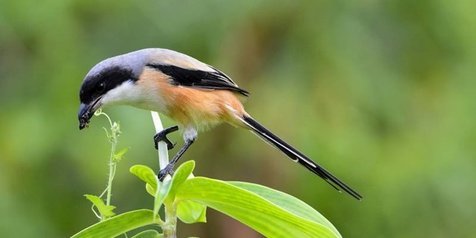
x: 162, y: 148
x: 113, y: 139
x: 112, y: 164
x: 169, y: 227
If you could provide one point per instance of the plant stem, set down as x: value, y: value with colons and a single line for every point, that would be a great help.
x: 162, y: 148
x: 169, y: 227
x: 112, y: 167
x: 113, y: 139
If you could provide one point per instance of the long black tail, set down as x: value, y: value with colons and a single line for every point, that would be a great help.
x: 298, y: 157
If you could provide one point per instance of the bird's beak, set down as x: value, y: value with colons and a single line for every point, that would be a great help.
x: 86, y: 111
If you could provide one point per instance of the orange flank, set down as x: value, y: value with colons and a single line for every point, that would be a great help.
x: 194, y: 106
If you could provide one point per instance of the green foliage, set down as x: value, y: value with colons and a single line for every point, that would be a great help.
x: 180, y: 176
x: 254, y: 209
x: 288, y: 203
x: 105, y: 211
x: 270, y: 212
x: 147, y: 175
x: 118, y: 224
x: 161, y: 194
x: 120, y: 154
x: 191, y: 212
x: 148, y: 234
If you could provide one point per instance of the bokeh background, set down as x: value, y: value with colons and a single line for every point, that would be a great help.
x: 382, y: 93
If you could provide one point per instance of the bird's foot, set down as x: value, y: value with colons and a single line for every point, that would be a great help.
x: 162, y: 136
x: 169, y: 169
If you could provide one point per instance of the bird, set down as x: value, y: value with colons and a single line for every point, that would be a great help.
x: 194, y: 94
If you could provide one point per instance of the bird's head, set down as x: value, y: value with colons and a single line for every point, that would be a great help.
x: 111, y: 81
x: 117, y: 80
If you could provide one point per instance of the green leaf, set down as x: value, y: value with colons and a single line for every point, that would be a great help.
x: 150, y: 190
x: 118, y: 224
x: 188, y: 211
x: 180, y: 175
x: 105, y: 210
x: 147, y: 175
x: 144, y: 173
x: 161, y: 194
x: 287, y: 202
x: 148, y: 234
x: 168, y: 188
x: 251, y: 209
x: 120, y: 154
x: 191, y: 212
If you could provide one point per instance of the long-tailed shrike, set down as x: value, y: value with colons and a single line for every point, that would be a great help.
x: 194, y: 94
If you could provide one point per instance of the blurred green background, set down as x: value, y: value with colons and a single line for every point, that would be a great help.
x: 382, y: 93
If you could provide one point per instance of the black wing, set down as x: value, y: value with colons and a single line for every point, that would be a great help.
x: 199, y: 78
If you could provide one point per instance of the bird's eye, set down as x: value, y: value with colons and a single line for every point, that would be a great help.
x: 101, y: 87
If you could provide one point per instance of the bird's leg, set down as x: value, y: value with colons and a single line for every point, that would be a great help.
x: 162, y: 136
x: 170, y: 167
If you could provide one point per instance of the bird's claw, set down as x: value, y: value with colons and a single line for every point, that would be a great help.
x: 169, y: 169
x: 162, y: 136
